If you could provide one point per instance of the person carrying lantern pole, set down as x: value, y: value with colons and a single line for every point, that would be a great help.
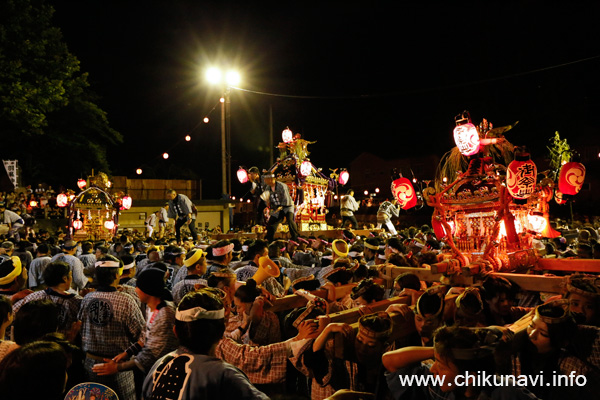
x: 385, y: 212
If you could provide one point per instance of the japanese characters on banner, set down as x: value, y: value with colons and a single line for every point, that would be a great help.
x: 12, y: 170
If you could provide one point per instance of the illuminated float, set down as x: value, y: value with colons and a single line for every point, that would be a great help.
x: 310, y: 189
x: 490, y: 214
x: 93, y: 212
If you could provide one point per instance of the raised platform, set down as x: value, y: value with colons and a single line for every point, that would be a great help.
x: 329, y: 234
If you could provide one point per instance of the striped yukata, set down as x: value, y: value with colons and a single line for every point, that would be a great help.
x: 159, y: 337
x: 111, y: 322
x: 185, y: 286
x: 68, y: 305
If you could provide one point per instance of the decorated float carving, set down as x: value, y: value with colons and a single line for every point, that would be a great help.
x: 489, y: 214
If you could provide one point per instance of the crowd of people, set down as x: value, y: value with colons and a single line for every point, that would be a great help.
x: 173, y: 318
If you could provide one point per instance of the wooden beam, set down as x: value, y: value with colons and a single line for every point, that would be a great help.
x: 568, y: 264
x: 536, y: 283
x: 294, y: 300
x: 352, y: 315
x: 424, y: 274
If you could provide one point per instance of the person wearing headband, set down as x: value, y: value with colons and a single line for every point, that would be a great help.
x: 221, y: 255
x: 129, y: 271
x: 110, y: 321
x: 159, y: 338
x: 13, y: 279
x: 458, y: 353
x: 468, y: 308
x: 583, y: 293
x: 192, y: 369
x: 428, y: 314
x: 361, y: 369
x: 195, y: 266
x: 553, y: 344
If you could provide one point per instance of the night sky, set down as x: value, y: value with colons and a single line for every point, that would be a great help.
x: 383, y: 77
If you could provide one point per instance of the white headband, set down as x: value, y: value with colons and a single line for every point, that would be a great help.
x: 197, y: 313
x: 221, y: 251
x: 353, y: 254
x: 108, y: 264
x: 129, y: 266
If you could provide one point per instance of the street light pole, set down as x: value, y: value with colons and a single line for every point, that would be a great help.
x: 228, y: 137
x: 223, y: 149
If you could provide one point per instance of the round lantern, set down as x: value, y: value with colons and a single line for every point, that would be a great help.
x: 305, y: 168
x: 33, y: 203
x: 466, y: 138
x: 572, y: 175
x: 126, y: 203
x: 81, y: 183
x: 109, y: 224
x: 537, y: 221
x: 287, y: 135
x: 77, y: 224
x: 404, y: 192
x: 242, y: 175
x: 521, y: 176
x: 343, y: 178
x: 62, y: 200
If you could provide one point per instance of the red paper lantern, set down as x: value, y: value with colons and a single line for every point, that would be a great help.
x: 521, y: 176
x: 62, y: 200
x: 572, y: 175
x: 81, y: 183
x: 109, y: 224
x: 77, y: 224
x: 305, y: 168
x: 466, y: 138
x: 287, y: 135
x: 404, y: 192
x: 242, y: 175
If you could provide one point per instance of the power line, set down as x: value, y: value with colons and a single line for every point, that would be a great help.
x: 419, y: 91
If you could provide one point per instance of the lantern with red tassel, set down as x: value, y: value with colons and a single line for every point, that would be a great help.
x: 404, y: 192
x: 572, y: 175
x: 466, y: 135
x: 521, y: 176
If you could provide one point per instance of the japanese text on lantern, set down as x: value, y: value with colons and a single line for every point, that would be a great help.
x: 526, y: 179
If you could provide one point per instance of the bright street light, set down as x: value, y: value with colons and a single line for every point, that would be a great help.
x: 226, y: 79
